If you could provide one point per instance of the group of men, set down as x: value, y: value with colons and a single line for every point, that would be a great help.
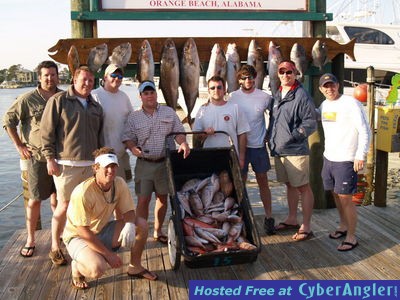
x: 75, y: 142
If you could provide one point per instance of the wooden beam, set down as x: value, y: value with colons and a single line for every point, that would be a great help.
x: 204, y: 46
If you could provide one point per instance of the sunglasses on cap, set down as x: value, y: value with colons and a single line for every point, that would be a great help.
x: 247, y: 77
x: 113, y: 75
x: 288, y: 72
x: 218, y: 87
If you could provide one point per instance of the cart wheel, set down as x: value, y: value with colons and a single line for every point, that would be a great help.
x: 174, y: 249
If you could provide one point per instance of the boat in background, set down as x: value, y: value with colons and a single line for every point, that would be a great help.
x: 376, y: 45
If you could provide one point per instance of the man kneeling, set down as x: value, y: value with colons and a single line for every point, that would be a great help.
x: 90, y: 233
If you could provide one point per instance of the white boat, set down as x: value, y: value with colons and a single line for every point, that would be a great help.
x: 376, y: 45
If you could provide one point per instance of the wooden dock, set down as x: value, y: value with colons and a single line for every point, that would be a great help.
x: 377, y: 257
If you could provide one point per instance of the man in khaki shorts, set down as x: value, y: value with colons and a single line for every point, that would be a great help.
x: 144, y: 135
x: 71, y: 130
x: 26, y: 112
x: 92, y: 236
x: 293, y: 120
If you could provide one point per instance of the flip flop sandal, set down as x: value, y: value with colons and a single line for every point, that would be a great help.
x: 337, y: 234
x: 284, y: 226
x: 306, y: 236
x: 145, y: 274
x: 27, y: 249
x: 352, y: 246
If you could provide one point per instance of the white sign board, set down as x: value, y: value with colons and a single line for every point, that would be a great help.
x: 159, y: 5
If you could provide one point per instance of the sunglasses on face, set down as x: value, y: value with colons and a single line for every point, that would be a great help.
x: 113, y: 75
x: 286, y: 72
x: 247, y: 77
x: 218, y: 87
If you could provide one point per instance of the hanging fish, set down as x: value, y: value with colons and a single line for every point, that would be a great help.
x: 73, y: 60
x: 189, y: 76
x: 319, y: 54
x: 97, y: 57
x: 145, y: 63
x: 217, y: 63
x: 274, y: 59
x: 298, y: 56
x: 169, y: 74
x: 255, y: 58
x: 121, y: 55
x: 232, y: 67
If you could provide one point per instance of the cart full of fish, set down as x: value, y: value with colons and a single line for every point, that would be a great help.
x: 211, y: 216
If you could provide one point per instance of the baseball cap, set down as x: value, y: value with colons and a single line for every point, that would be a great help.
x: 287, y: 65
x: 106, y: 159
x: 112, y: 68
x: 145, y: 85
x: 327, y: 77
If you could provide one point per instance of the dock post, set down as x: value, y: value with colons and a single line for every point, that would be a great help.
x: 369, y: 174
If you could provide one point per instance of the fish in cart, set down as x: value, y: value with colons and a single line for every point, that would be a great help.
x: 145, y: 63
x: 73, y: 60
x: 298, y: 56
x: 255, y: 58
x: 97, y: 57
x: 205, y: 201
x: 121, y: 55
x: 217, y: 63
x: 232, y: 67
x: 189, y: 76
x: 169, y: 74
x: 274, y: 59
x: 319, y: 54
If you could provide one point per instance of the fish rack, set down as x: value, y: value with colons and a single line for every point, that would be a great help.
x: 59, y: 51
x: 201, y: 163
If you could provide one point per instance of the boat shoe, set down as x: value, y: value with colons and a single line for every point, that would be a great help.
x: 57, y: 257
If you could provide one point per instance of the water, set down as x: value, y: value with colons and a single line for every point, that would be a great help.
x: 13, y: 217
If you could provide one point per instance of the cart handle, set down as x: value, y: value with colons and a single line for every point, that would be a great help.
x: 193, y: 132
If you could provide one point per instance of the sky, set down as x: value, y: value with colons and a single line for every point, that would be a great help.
x: 28, y: 33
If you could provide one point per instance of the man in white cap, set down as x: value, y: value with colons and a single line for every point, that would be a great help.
x: 116, y: 108
x: 145, y: 133
x: 293, y: 121
x: 91, y: 238
x: 347, y: 139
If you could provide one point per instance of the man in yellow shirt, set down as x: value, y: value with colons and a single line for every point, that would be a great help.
x: 91, y: 238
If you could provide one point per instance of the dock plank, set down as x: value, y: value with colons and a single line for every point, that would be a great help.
x: 377, y: 257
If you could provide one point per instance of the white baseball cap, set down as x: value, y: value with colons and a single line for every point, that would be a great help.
x: 106, y: 159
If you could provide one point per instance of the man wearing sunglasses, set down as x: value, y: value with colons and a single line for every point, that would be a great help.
x: 116, y: 108
x: 256, y: 104
x: 220, y: 115
x: 293, y: 120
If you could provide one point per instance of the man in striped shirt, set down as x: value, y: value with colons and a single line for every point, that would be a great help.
x: 144, y: 135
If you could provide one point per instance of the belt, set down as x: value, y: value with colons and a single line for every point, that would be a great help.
x: 157, y: 160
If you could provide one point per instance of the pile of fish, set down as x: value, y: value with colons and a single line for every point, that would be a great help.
x: 184, y: 70
x: 212, y: 219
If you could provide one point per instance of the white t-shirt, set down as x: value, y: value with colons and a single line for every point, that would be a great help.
x: 346, y: 129
x: 255, y: 107
x: 226, y: 118
x: 116, y: 108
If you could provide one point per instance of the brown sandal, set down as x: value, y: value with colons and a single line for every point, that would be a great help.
x: 57, y: 257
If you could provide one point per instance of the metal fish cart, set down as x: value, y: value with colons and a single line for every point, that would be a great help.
x: 236, y: 238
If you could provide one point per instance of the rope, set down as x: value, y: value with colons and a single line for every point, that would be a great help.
x: 11, y: 202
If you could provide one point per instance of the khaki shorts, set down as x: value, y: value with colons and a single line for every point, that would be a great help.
x: 124, y: 168
x: 76, y: 244
x: 150, y: 177
x: 69, y: 178
x: 293, y: 169
x: 40, y: 183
